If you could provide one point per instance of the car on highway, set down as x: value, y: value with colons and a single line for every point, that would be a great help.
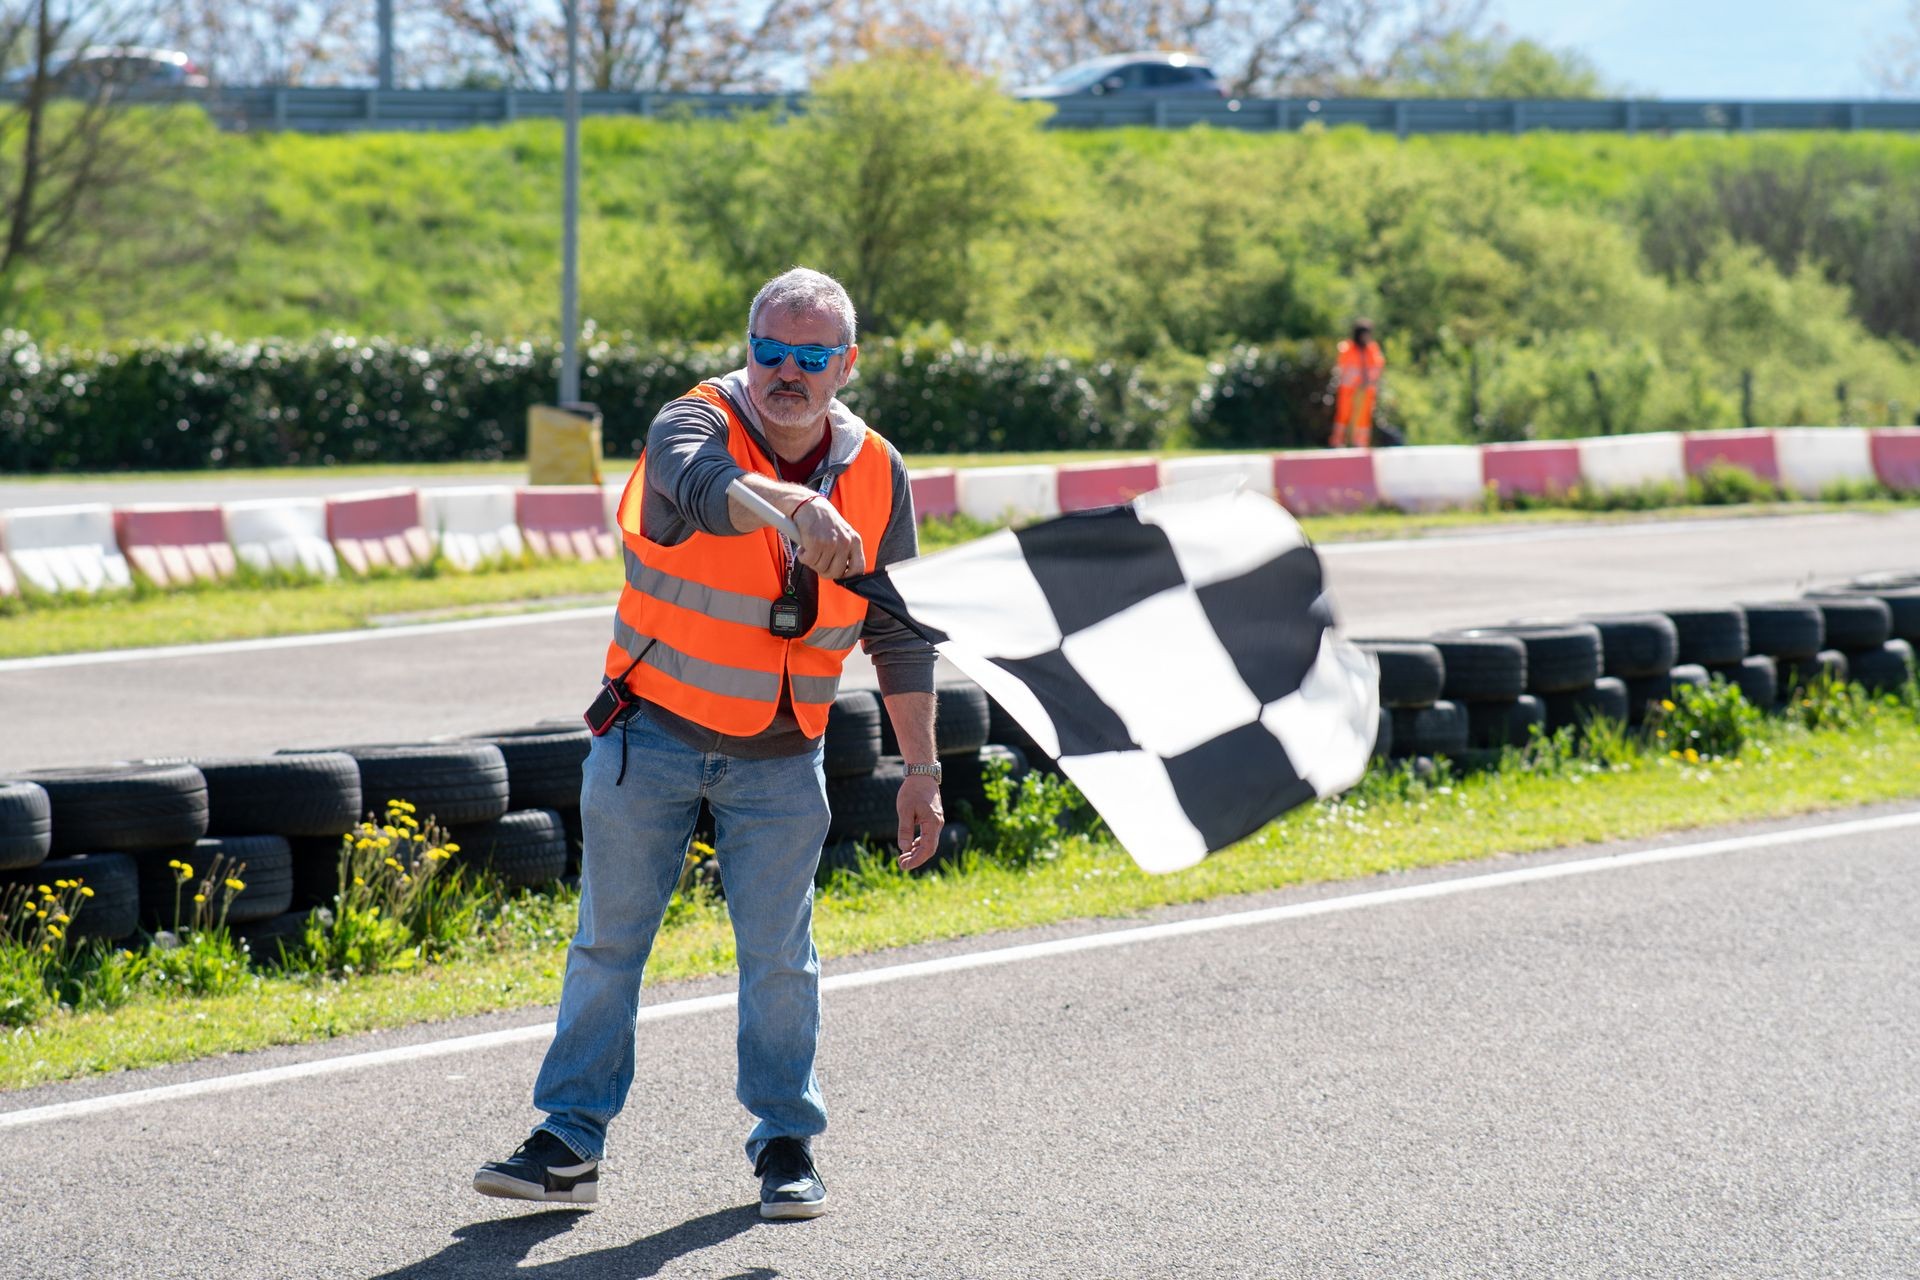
x: 1130, y: 74
x: 122, y: 67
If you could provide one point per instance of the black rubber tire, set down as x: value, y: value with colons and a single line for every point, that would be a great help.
x: 1561, y: 657
x: 525, y: 849
x: 291, y: 795
x: 1605, y: 699
x: 1757, y: 676
x: 1855, y: 622
x: 1634, y: 646
x: 1710, y: 635
x: 26, y: 825
x: 268, y: 875
x: 1799, y: 673
x: 1008, y: 732
x: 316, y: 870
x: 1383, y: 735
x: 1482, y: 668
x: 1493, y: 725
x: 1437, y: 730
x: 963, y: 777
x: 1903, y: 604
x: 865, y: 807
x: 1785, y: 628
x: 543, y: 764
x: 453, y: 783
x: 1881, y: 670
x: 125, y: 807
x: 1412, y: 673
x: 852, y: 744
x: 837, y: 855
x: 268, y: 940
x: 1643, y: 694
x: 954, y: 838
x: 113, y: 912
x: 962, y: 721
x: 576, y: 838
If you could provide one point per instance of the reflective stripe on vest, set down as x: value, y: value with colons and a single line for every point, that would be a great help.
x: 695, y: 614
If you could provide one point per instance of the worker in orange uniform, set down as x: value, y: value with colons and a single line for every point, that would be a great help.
x: 1357, y: 369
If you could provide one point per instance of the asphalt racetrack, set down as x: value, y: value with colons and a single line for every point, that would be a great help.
x: 1692, y: 1062
x: 407, y: 684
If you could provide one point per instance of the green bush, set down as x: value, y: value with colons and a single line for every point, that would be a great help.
x: 1267, y: 397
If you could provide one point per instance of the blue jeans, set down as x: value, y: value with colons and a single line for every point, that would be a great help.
x: 770, y: 818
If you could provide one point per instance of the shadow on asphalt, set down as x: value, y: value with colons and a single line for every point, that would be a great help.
x: 497, y: 1248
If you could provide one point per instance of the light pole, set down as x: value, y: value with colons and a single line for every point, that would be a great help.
x: 385, y: 12
x: 570, y: 222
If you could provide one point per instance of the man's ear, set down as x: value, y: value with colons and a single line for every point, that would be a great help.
x: 846, y: 370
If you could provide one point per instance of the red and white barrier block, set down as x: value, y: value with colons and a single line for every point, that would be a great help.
x: 288, y: 535
x: 1531, y: 468
x: 997, y: 494
x: 1896, y: 457
x: 9, y: 585
x: 1816, y: 460
x: 1325, y: 481
x: 380, y: 529
x: 57, y: 549
x: 1084, y: 486
x: 936, y: 493
x: 1632, y: 462
x: 173, y: 545
x: 473, y: 524
x: 566, y: 522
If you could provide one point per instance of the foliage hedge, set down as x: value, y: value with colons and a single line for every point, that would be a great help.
x: 215, y: 403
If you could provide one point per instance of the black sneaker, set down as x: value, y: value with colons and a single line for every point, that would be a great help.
x: 790, y: 1186
x: 544, y: 1168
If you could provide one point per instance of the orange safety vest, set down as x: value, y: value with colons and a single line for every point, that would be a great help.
x: 1360, y: 368
x: 705, y: 603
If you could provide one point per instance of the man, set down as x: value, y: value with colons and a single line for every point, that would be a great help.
x: 728, y: 641
x: 1358, y: 364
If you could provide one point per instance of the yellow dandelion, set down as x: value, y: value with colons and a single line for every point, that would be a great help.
x: 46, y: 891
x: 186, y: 871
x: 62, y: 918
x: 388, y: 832
x: 1693, y: 756
x: 236, y: 884
x: 438, y: 855
x: 1674, y: 754
x: 199, y: 897
x: 1666, y: 704
x: 173, y: 863
x: 85, y: 892
x: 54, y: 931
x: 404, y: 820
x: 362, y: 883
x: 451, y: 847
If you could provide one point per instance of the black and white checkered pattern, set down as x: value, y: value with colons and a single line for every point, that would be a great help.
x: 1176, y: 654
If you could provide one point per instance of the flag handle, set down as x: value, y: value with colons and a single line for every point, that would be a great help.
x: 753, y: 502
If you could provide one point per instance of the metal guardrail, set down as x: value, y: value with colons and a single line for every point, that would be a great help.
x: 338, y: 110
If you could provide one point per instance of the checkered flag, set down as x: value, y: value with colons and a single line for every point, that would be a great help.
x: 1177, y: 655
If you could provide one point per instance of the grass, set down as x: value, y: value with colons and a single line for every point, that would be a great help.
x: 1394, y: 821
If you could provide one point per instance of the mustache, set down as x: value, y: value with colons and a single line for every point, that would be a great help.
x: 780, y: 384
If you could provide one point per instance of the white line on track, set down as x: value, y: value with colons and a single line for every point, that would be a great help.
x: 974, y: 960
x: 302, y: 642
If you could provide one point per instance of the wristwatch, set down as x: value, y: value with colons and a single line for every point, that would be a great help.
x: 931, y: 770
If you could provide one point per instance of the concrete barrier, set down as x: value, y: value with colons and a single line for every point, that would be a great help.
x: 1327, y: 481
x: 1254, y: 470
x: 55, y: 549
x: 378, y: 529
x: 935, y: 493
x: 611, y: 492
x: 1084, y: 486
x: 1896, y: 457
x: 9, y: 585
x: 172, y: 545
x: 474, y: 524
x: 1752, y: 451
x: 1429, y: 477
x: 285, y: 534
x: 1633, y: 462
x: 566, y: 522
x: 1538, y: 468
x: 1815, y: 459
x: 1000, y: 494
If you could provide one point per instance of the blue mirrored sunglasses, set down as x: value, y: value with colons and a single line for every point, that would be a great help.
x: 810, y: 357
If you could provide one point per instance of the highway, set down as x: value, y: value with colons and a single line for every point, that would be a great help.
x: 406, y: 684
x: 1695, y: 1061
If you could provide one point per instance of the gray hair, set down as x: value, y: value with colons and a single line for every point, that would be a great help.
x: 803, y: 289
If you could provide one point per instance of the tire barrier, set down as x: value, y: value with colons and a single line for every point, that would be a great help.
x: 543, y: 764
x: 263, y: 863
x: 472, y: 525
x: 566, y: 522
x: 26, y: 825
x: 315, y: 794
x: 124, y: 808
x: 283, y: 535
x: 452, y: 783
x: 525, y: 849
x: 1712, y: 636
x: 112, y: 912
x: 852, y: 746
x: 171, y: 546
x: 378, y: 530
x: 56, y: 549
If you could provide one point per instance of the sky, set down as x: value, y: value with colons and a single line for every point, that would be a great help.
x: 1717, y: 48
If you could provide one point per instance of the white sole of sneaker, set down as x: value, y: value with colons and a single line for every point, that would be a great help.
x: 790, y: 1211
x: 489, y: 1183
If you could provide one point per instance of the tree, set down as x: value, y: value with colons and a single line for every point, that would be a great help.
x: 1461, y: 65
x: 78, y: 144
x: 274, y: 42
x: 1894, y: 63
